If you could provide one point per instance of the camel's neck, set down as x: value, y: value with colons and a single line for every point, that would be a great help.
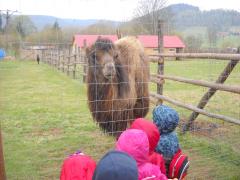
x: 100, y: 89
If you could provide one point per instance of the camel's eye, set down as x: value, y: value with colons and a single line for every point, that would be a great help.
x: 93, y: 56
x: 116, y: 56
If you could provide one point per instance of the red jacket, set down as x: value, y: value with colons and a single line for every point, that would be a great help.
x: 78, y: 167
x: 153, y: 137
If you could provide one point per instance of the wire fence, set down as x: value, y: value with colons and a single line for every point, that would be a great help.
x: 62, y: 123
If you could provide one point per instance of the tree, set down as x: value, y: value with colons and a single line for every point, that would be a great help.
x: 23, y: 25
x: 193, y: 43
x: 1, y: 21
x: 149, y: 11
x: 212, y: 34
x: 56, y: 26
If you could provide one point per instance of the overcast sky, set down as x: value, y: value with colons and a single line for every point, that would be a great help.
x: 120, y: 10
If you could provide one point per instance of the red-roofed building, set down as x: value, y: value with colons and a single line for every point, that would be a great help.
x: 171, y: 44
x: 79, y: 41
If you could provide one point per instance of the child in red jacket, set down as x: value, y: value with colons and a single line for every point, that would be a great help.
x: 78, y: 166
x: 153, y: 137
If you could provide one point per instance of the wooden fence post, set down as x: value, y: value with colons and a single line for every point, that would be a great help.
x: 161, y: 60
x: 63, y: 61
x: 84, y: 61
x: 74, y: 66
x: 58, y: 59
x: 2, y: 165
x: 68, y: 61
x: 207, y: 96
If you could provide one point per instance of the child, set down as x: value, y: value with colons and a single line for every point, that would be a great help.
x: 78, y: 167
x: 135, y: 143
x: 167, y: 119
x: 153, y: 137
x: 116, y: 165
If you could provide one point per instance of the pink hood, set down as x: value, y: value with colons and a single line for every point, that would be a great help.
x: 135, y: 143
x: 150, y: 171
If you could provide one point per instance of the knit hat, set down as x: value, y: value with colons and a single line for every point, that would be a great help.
x: 116, y: 165
x: 165, y: 118
x: 168, y: 145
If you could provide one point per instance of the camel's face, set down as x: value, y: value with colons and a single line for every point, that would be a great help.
x: 108, y: 65
x: 102, y: 56
x: 104, y: 61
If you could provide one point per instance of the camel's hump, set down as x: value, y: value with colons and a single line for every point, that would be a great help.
x: 130, y: 42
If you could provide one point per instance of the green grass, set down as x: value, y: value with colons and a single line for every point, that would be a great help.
x: 44, y: 118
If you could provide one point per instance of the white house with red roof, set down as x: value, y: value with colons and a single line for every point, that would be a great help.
x: 81, y: 41
x: 171, y: 44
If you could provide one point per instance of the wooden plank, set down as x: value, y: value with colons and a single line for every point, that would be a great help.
x: 200, y: 55
x: 218, y: 86
x: 2, y: 165
x: 207, y: 96
x: 195, y: 109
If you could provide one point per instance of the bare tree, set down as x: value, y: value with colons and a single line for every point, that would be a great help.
x: 148, y: 12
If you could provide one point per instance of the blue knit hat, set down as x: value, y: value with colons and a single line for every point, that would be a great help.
x: 165, y: 118
x: 168, y: 145
x: 116, y: 165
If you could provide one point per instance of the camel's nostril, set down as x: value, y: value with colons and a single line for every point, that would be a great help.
x: 110, y: 68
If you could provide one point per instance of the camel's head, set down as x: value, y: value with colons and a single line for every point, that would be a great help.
x: 102, y: 57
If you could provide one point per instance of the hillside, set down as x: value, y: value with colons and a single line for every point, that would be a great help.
x: 40, y: 21
x: 184, y: 16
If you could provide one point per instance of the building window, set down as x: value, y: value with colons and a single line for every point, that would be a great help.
x: 172, y: 50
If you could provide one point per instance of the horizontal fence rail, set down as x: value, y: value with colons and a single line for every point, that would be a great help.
x: 218, y: 86
x: 195, y: 109
x: 197, y: 55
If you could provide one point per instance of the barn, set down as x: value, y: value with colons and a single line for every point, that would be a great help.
x: 80, y: 41
x: 171, y: 44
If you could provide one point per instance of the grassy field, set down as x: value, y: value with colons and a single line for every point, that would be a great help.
x: 44, y: 118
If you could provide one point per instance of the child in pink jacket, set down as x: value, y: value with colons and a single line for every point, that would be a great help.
x: 135, y: 143
x: 153, y: 137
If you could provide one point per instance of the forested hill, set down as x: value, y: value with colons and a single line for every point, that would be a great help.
x: 183, y: 15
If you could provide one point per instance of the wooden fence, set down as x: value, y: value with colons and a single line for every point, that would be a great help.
x: 67, y: 62
x: 213, y: 86
x: 160, y: 78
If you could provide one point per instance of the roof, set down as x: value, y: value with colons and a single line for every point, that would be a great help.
x: 90, y: 39
x: 148, y: 41
x: 151, y: 41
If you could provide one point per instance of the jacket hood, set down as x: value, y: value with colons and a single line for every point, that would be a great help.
x: 168, y: 145
x: 150, y: 129
x: 116, y: 165
x: 78, y: 167
x: 150, y: 171
x: 135, y: 143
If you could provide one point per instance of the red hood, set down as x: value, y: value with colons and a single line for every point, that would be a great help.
x: 78, y: 166
x: 150, y: 129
